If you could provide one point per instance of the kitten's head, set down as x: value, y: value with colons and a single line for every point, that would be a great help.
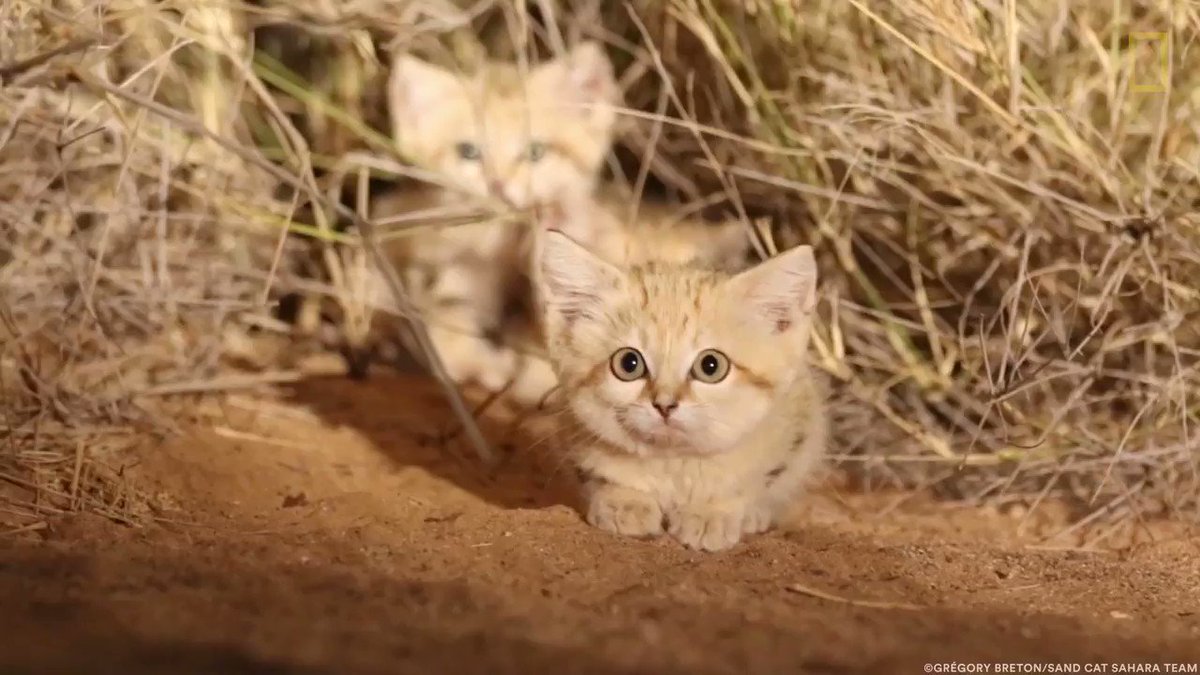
x: 672, y: 359
x: 523, y: 138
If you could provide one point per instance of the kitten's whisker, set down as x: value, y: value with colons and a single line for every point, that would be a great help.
x: 552, y: 435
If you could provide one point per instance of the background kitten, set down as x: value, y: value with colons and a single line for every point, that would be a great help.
x: 502, y: 136
x: 693, y: 386
x: 522, y: 138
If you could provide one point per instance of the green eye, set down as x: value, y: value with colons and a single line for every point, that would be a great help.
x: 627, y: 364
x: 710, y: 367
x: 468, y: 151
x: 537, y: 150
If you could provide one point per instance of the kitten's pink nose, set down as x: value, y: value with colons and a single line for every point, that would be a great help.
x: 664, y: 407
x: 496, y: 186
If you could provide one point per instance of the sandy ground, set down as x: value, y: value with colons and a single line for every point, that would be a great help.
x: 333, y: 532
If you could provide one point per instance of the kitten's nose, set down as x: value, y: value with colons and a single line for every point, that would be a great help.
x: 664, y: 407
x: 496, y: 186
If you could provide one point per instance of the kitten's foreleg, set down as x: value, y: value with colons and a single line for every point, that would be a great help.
x: 459, y: 308
x: 622, y: 510
x: 470, y: 358
x: 717, y: 526
x: 534, y: 382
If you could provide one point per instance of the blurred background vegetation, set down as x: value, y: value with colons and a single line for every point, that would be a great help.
x: 1004, y: 197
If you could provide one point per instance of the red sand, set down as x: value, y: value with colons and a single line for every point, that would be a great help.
x: 348, y: 542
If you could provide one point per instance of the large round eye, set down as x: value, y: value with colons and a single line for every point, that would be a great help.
x: 627, y: 364
x: 468, y: 151
x: 710, y: 367
x: 536, y: 151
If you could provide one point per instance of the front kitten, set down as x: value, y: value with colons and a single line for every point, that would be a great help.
x: 693, y: 384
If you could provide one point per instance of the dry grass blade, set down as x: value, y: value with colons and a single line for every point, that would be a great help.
x: 370, y: 241
x: 24, y: 529
x: 873, y: 604
x: 10, y: 70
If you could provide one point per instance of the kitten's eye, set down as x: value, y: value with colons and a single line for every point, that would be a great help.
x: 710, y: 367
x: 627, y: 364
x: 468, y: 151
x: 536, y: 151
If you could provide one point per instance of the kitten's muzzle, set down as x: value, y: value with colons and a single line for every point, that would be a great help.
x: 665, y: 406
x: 499, y: 190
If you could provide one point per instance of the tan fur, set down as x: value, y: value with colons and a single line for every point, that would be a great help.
x: 734, y: 454
x: 462, y: 276
x: 467, y: 279
x: 656, y: 234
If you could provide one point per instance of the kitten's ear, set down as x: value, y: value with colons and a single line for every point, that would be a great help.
x: 416, y: 91
x: 781, y: 292
x: 583, y: 79
x: 573, y: 282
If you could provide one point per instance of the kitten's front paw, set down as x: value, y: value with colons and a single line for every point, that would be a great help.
x: 624, y: 511
x: 710, y: 529
x: 468, y: 359
x: 757, y: 519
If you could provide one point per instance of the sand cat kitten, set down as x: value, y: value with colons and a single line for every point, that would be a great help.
x: 693, y: 385
x: 499, y: 134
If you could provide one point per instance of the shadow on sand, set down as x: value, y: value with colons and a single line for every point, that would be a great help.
x: 406, y: 417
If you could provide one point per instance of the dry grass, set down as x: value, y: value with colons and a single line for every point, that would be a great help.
x: 1005, y: 198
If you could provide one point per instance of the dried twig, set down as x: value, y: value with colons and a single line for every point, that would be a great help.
x: 875, y: 604
x: 11, y: 70
x: 370, y: 241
